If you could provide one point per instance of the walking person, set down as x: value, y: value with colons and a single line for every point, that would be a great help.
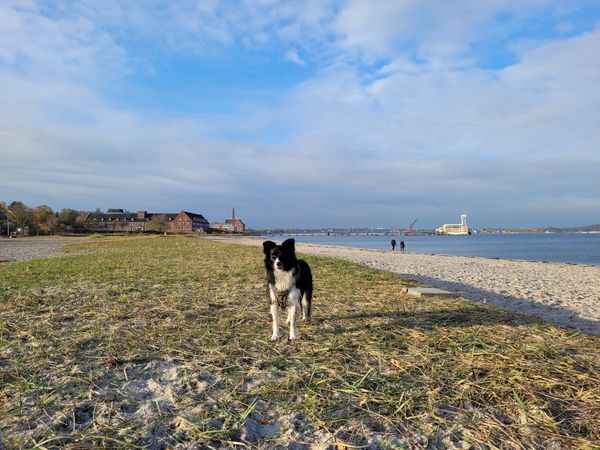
x: 402, y: 246
x: 393, y: 244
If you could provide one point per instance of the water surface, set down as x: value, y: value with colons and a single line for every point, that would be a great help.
x: 574, y: 248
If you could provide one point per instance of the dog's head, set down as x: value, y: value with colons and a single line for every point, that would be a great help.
x: 279, y: 257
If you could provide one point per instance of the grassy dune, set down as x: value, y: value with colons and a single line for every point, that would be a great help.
x: 162, y: 342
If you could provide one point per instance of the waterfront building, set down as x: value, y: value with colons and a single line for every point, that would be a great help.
x: 238, y: 225
x: 118, y: 221
x: 222, y: 227
x: 455, y: 228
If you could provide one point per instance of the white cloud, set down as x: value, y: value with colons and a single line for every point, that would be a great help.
x: 68, y: 46
x: 436, y: 33
x: 433, y: 133
x: 292, y: 56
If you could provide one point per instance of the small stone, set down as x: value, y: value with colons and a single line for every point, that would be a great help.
x: 31, y: 399
x: 254, y: 431
x: 215, y: 423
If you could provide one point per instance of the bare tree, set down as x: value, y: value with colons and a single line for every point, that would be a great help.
x: 158, y: 223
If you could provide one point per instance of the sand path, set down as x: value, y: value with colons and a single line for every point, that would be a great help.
x: 565, y: 294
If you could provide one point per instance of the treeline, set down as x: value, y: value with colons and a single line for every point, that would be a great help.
x: 16, y: 217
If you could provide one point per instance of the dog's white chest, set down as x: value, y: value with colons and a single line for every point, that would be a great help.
x: 283, y: 279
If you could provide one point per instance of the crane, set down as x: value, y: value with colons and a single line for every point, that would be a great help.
x: 410, y: 227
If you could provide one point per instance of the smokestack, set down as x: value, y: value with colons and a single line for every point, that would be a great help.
x: 233, y: 214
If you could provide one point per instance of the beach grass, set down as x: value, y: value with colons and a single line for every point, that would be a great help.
x: 162, y: 342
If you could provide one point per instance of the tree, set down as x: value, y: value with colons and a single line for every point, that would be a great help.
x: 67, y: 218
x: 22, y: 214
x: 43, y: 219
x: 80, y: 220
x: 4, y: 218
x: 158, y: 223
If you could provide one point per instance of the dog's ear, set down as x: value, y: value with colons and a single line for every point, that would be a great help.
x: 288, y: 244
x: 268, y: 246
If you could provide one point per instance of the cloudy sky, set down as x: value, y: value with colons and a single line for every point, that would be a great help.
x: 305, y: 113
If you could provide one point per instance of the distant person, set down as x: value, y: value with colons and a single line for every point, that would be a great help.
x: 393, y: 244
x: 402, y: 246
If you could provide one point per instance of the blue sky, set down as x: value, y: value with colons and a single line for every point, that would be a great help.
x: 305, y: 113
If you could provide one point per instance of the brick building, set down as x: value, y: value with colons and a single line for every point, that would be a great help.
x: 118, y: 220
x: 187, y: 222
x: 238, y: 225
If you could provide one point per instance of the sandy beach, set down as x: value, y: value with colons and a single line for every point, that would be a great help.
x: 564, y: 294
x: 34, y: 247
x: 153, y: 342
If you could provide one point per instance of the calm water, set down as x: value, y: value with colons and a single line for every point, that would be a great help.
x: 576, y: 248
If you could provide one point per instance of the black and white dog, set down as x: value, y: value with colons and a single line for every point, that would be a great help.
x: 289, y: 284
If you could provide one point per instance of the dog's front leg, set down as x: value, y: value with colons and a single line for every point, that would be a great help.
x: 275, y: 315
x: 293, y: 310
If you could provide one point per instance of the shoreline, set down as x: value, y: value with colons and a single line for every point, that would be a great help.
x: 564, y: 294
x: 432, y: 247
x: 412, y: 252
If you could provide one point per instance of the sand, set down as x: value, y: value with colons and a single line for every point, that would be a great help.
x: 34, y: 247
x: 563, y: 294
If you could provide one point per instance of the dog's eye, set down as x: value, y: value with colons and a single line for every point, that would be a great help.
x: 273, y: 257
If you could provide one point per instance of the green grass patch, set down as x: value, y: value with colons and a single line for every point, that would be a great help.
x: 159, y: 341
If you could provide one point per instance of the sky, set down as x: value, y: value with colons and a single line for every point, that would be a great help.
x: 312, y: 113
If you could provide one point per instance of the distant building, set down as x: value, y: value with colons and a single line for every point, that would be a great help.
x: 187, y: 222
x: 222, y: 227
x: 238, y: 225
x: 118, y: 220
x: 455, y: 228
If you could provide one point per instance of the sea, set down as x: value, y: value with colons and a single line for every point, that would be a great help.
x: 571, y: 248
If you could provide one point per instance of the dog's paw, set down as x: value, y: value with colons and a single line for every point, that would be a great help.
x: 294, y: 337
x: 275, y: 337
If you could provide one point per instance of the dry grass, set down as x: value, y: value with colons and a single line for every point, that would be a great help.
x: 160, y: 342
